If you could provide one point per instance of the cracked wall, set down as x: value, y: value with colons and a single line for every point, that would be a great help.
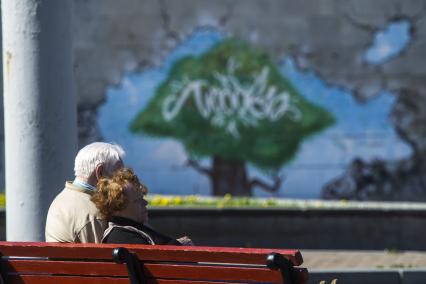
x: 116, y: 38
x: 329, y: 37
x: 326, y: 36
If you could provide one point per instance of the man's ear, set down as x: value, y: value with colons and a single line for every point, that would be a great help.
x: 99, y: 171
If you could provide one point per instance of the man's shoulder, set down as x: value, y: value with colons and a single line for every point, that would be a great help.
x: 69, y: 213
x: 73, y: 204
x: 70, y: 195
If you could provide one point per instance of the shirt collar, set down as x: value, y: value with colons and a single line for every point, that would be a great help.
x: 84, y: 185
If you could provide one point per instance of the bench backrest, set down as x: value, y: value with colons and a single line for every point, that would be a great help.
x: 90, y: 263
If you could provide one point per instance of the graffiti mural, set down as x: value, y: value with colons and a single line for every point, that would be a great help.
x: 232, y: 105
x: 220, y: 116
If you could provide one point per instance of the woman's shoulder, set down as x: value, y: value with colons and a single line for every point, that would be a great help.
x: 124, y: 235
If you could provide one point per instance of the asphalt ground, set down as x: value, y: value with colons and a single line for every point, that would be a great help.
x: 331, y: 259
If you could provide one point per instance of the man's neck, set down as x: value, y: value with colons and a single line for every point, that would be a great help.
x: 84, y: 180
x: 90, y: 181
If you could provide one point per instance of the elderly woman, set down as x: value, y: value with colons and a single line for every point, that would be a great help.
x: 120, y: 200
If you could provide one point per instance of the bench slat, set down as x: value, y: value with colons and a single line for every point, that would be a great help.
x: 41, y: 279
x: 45, y: 279
x: 165, y: 271
x: 146, y: 252
x: 66, y: 267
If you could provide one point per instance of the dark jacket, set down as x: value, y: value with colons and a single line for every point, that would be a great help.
x: 122, y: 235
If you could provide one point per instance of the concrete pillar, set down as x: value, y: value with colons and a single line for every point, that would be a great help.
x: 39, y: 110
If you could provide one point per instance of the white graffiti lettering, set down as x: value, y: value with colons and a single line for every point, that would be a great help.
x: 231, y: 103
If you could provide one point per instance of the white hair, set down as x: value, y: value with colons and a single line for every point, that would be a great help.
x: 94, y: 154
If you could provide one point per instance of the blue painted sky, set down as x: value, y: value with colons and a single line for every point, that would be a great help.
x: 389, y: 42
x: 362, y: 130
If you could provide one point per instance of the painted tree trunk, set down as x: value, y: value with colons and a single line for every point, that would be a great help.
x: 229, y: 176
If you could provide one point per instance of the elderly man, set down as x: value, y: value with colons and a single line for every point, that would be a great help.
x: 72, y: 217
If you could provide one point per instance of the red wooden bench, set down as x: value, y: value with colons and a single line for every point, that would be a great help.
x: 111, y: 263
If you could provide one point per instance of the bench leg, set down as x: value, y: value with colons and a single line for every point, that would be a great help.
x: 276, y: 261
x: 122, y: 255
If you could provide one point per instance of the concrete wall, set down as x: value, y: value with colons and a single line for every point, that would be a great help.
x: 301, y: 229
x: 368, y: 229
x: 372, y: 229
x: 328, y: 37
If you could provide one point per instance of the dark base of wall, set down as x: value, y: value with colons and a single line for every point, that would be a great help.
x: 298, y: 228
x: 367, y: 229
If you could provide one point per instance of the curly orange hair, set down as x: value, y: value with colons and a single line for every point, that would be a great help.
x: 110, y: 196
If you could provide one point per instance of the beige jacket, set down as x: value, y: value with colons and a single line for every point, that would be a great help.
x: 73, y: 218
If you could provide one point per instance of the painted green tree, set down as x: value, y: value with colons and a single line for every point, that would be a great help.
x: 232, y: 104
